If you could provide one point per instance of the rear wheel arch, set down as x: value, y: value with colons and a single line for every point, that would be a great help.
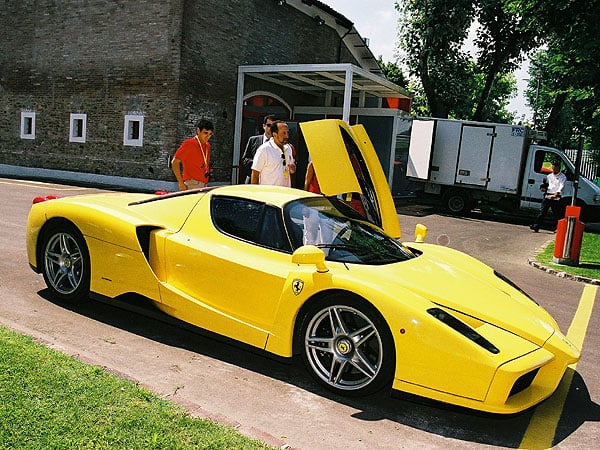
x: 64, y: 260
x: 43, y: 235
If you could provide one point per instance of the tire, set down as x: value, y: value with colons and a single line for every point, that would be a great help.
x: 347, y: 346
x: 66, y: 263
x: 457, y: 202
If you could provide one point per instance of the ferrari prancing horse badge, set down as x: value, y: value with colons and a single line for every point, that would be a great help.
x: 297, y: 286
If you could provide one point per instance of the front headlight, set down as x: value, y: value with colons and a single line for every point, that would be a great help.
x: 596, y: 198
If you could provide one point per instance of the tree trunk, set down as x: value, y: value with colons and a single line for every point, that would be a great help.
x: 554, y: 117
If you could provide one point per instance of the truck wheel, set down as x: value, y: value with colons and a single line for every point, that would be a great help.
x: 457, y: 202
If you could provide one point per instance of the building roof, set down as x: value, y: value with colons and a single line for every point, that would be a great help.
x: 326, y: 15
x: 324, y: 78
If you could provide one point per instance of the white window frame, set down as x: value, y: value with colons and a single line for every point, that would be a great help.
x: 27, y: 116
x: 128, y: 130
x: 73, y: 128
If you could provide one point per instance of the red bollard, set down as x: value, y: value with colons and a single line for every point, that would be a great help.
x: 569, y: 234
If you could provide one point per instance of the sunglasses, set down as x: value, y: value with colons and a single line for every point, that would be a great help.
x: 283, y: 159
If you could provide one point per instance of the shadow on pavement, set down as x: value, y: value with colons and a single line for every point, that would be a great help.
x: 137, y: 315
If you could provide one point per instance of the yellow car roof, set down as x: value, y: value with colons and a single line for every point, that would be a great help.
x: 274, y: 195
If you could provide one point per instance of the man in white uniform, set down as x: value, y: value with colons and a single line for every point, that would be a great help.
x: 273, y: 162
x: 552, y: 190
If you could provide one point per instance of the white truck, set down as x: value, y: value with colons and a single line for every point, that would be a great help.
x: 470, y: 162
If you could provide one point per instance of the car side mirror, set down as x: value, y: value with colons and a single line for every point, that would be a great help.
x: 420, y: 233
x: 310, y: 254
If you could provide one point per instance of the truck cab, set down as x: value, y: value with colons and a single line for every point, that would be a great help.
x: 539, y: 162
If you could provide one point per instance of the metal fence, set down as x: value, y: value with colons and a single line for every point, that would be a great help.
x: 588, y: 169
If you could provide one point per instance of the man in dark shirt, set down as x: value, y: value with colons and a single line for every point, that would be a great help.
x: 253, y: 143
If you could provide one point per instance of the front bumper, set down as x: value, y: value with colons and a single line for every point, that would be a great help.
x: 518, y: 384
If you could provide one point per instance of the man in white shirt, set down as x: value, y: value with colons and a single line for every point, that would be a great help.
x: 555, y: 182
x: 273, y: 162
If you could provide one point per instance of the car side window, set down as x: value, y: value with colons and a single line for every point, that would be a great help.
x: 237, y: 217
x: 538, y: 162
x: 250, y: 221
x: 272, y: 232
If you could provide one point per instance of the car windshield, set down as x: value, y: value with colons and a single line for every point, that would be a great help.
x: 338, y: 230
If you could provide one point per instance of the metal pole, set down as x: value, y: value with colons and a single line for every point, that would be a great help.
x: 577, y: 170
x: 538, y: 75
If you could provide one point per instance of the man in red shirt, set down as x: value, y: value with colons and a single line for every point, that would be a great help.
x: 194, y: 156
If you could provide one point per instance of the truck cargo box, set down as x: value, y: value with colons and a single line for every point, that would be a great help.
x: 470, y: 154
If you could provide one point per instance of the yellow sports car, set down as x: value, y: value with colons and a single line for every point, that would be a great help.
x: 293, y: 272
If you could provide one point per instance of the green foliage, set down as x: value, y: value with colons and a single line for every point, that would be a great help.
x: 419, y: 106
x: 449, y: 82
x: 452, y: 82
x: 49, y: 400
x: 502, y: 41
x: 569, y: 68
x: 432, y: 32
x: 495, y: 108
x: 393, y: 72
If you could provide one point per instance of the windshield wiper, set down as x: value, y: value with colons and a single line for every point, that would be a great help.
x: 344, y: 247
x: 364, y: 251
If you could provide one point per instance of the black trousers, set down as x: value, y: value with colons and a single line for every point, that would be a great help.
x: 549, y: 203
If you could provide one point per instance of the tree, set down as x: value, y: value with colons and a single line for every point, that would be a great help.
x: 569, y: 67
x: 495, y: 107
x: 393, y: 72
x: 502, y: 41
x: 432, y: 33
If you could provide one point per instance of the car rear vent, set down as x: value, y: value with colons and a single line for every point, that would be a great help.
x: 523, y: 382
x: 463, y: 329
x: 143, y: 235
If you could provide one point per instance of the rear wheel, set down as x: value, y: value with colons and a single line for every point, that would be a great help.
x: 457, y: 202
x: 348, y: 347
x: 65, y: 263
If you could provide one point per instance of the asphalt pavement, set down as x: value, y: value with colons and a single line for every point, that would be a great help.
x: 277, y: 402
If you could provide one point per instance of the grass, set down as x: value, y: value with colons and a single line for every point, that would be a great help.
x: 50, y: 400
x: 589, y: 258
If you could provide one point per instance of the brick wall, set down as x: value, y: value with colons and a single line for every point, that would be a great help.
x: 171, y: 61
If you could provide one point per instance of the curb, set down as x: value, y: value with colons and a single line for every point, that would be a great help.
x: 559, y: 273
x: 87, y: 179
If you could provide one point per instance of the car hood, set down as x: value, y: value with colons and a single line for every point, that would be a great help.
x: 345, y: 162
x: 470, y: 287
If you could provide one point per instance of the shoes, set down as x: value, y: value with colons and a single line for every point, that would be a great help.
x: 535, y: 228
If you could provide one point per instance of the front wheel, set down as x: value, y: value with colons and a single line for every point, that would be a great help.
x: 65, y: 263
x: 348, y: 347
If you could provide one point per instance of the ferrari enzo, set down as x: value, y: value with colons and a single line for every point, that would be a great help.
x: 291, y: 272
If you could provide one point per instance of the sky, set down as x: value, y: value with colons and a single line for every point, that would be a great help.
x: 378, y: 23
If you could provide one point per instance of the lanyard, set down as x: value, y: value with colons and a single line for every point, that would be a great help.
x: 202, y: 150
x: 286, y: 170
